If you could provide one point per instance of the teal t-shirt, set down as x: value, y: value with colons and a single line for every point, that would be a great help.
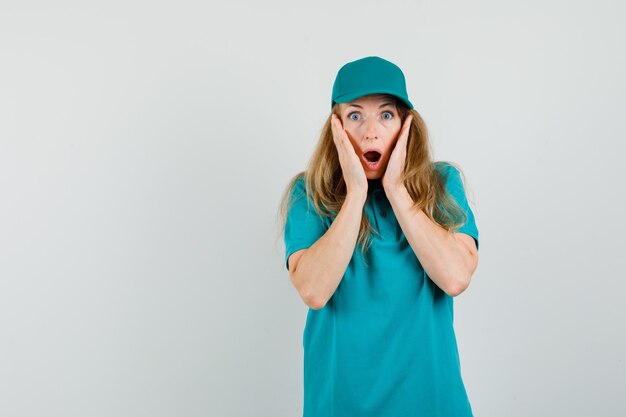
x: 384, y: 344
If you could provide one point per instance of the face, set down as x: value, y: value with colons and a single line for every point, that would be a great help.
x: 372, y: 124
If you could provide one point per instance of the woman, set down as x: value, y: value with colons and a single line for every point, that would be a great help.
x: 379, y: 338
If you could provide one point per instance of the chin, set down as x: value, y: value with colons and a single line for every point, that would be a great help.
x: 373, y: 175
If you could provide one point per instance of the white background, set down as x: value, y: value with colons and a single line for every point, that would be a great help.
x: 144, y: 146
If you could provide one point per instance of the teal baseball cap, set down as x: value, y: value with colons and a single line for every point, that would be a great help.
x: 369, y: 75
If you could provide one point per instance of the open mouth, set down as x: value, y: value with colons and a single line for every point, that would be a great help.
x: 372, y: 156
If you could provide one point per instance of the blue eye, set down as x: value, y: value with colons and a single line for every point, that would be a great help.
x: 390, y: 115
x: 353, y: 114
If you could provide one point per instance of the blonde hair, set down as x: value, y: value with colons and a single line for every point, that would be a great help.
x: 325, y: 186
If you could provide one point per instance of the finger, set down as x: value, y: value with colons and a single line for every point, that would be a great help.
x: 338, y: 128
x: 335, y: 129
x: 342, y: 140
x: 407, y: 123
x: 338, y: 134
x: 342, y: 135
x: 405, y: 129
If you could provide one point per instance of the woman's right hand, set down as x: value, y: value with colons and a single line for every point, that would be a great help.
x: 351, y: 167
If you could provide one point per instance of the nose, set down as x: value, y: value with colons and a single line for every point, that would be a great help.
x: 370, y: 128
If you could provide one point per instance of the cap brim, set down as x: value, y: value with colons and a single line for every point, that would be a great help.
x: 345, y: 98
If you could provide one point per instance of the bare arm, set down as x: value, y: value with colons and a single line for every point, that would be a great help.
x: 449, y: 260
x: 320, y: 268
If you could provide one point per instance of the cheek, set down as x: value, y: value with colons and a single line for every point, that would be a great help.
x: 394, y: 138
x: 351, y: 131
x: 390, y: 147
x: 351, y: 140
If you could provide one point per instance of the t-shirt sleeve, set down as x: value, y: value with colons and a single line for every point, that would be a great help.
x: 454, y: 186
x: 303, y: 226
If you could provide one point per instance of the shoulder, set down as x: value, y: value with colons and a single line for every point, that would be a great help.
x: 300, y: 181
x: 299, y: 192
x: 297, y: 185
x: 446, y: 169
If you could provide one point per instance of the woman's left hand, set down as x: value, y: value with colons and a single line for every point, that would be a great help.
x: 392, y: 178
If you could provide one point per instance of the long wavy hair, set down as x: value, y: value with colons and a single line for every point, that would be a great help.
x: 422, y: 177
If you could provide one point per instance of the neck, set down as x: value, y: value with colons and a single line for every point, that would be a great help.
x: 375, y: 183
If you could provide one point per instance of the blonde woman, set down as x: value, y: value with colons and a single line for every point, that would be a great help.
x: 379, y: 239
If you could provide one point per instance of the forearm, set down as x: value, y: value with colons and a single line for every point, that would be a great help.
x: 324, y: 263
x: 445, y: 259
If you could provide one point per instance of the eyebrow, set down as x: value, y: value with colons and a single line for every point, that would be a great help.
x: 387, y: 103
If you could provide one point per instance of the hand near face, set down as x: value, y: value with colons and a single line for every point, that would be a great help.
x: 353, y: 172
x: 392, y: 179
